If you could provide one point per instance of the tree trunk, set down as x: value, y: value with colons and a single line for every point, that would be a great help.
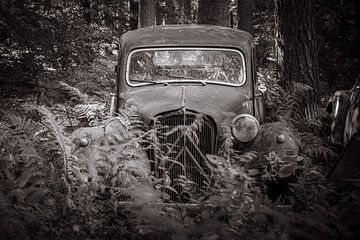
x: 107, y: 13
x: 170, y: 13
x: 200, y: 12
x: 20, y: 4
x: 47, y: 5
x: 94, y: 10
x: 134, y: 14
x: 187, y: 11
x: 174, y: 12
x: 214, y: 12
x: 123, y: 17
x: 232, y: 16
x: 245, y: 15
x: 147, y: 13
x: 37, y: 5
x: 86, y: 5
x: 160, y: 14
x: 296, y: 44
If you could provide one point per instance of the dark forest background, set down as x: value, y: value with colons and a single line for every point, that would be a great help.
x: 57, y: 73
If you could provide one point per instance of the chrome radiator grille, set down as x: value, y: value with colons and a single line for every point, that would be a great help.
x: 185, y: 139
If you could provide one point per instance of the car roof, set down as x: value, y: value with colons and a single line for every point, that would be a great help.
x: 186, y: 35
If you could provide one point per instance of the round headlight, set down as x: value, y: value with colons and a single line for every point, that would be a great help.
x: 245, y: 128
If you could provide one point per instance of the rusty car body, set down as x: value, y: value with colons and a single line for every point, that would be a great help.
x: 344, y: 108
x: 188, y: 80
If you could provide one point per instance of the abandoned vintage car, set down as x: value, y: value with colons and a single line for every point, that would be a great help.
x: 193, y: 75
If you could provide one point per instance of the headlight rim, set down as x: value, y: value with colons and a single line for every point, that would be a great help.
x: 84, y: 142
x: 252, y: 118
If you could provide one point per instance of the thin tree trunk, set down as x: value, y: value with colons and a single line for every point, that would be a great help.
x: 187, y: 11
x: 94, y: 10
x: 170, y: 12
x: 86, y: 4
x: 124, y: 19
x: 107, y: 15
x: 245, y: 15
x: 200, y: 12
x: 160, y: 14
x: 134, y: 14
x: 20, y: 4
x: 214, y: 12
x: 38, y: 5
x: 174, y: 12
x: 147, y: 13
x: 47, y: 5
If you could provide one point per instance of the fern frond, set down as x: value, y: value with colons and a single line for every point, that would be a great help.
x: 94, y: 113
x: 4, y: 126
x: 58, y: 133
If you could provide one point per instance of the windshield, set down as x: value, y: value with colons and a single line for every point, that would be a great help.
x: 211, y: 65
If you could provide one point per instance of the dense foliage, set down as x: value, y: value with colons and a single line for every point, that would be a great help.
x: 57, y: 72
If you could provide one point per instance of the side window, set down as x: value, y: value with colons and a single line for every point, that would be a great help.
x: 142, y: 66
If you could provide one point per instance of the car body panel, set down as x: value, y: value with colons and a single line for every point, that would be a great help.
x: 337, y: 107
x: 186, y: 35
x: 266, y: 142
x: 352, y: 123
x: 156, y: 99
x: 344, y: 108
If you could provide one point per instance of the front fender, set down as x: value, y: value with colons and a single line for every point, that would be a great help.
x: 267, y: 141
x: 113, y: 137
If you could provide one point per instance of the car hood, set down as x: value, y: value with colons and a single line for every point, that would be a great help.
x: 221, y: 103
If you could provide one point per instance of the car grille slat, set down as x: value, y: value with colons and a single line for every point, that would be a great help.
x: 192, y: 178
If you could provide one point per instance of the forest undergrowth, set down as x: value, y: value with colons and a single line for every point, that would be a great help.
x: 50, y: 188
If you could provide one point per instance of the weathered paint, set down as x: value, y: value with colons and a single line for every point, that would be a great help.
x: 266, y: 142
x: 98, y: 136
x: 352, y: 123
x: 221, y: 103
x: 338, y: 107
x: 345, y: 130
x: 186, y: 36
x: 344, y: 108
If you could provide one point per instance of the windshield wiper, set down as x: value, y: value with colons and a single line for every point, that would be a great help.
x: 169, y: 81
